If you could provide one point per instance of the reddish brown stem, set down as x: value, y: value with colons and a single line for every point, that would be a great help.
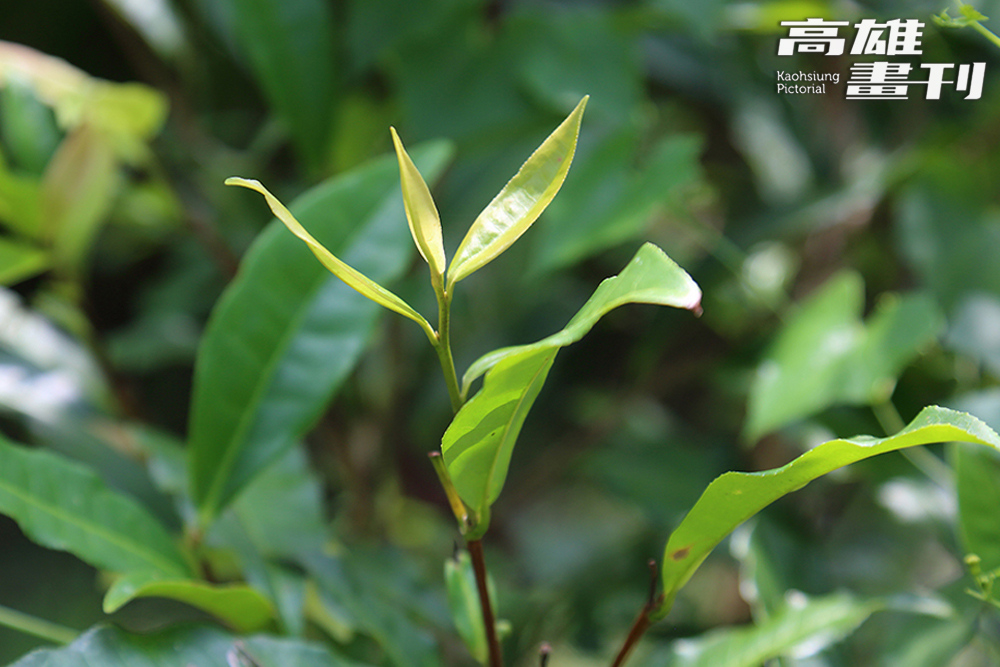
x: 641, y: 623
x: 479, y: 567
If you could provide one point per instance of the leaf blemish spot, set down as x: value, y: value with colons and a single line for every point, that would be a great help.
x: 681, y: 554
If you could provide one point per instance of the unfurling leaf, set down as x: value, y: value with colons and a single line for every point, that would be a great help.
x: 421, y: 213
x: 520, y: 202
x: 355, y: 279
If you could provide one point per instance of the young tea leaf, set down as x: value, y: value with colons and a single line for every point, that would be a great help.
x: 520, y: 202
x: 355, y: 279
x: 650, y: 277
x: 736, y: 496
x: 286, y: 331
x: 478, y: 444
x: 421, y: 213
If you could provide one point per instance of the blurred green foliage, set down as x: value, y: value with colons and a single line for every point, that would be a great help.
x: 850, y: 244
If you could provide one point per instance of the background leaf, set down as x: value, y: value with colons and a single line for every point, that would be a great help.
x: 804, y: 627
x: 291, y: 51
x: 287, y: 332
x: 241, y: 607
x: 64, y: 506
x: 977, y: 481
x: 181, y: 647
x: 825, y: 355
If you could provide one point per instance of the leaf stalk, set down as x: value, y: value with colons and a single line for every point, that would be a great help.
x: 37, y: 627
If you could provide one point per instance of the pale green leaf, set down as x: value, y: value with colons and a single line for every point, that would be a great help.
x: 520, y: 202
x: 355, y: 279
x: 650, y: 277
x: 825, y: 355
x: 479, y: 442
x: 421, y: 213
x: 286, y: 332
x: 242, y: 608
x: 803, y: 627
x: 736, y: 496
x: 62, y: 505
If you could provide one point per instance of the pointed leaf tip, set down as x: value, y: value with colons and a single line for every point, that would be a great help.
x: 355, y: 279
x: 521, y: 201
x: 421, y: 212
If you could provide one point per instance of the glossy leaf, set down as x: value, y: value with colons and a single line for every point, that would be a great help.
x: 520, y: 202
x: 20, y: 261
x: 480, y: 440
x: 825, y: 355
x: 736, y: 496
x: 803, y: 627
x: 242, y: 608
x: 421, y: 213
x: 349, y: 275
x: 182, y: 647
x: 286, y: 332
x: 650, y: 277
x: 291, y: 50
x: 62, y: 505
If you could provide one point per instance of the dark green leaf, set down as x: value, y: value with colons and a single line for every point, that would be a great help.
x: 609, y: 200
x: 290, y: 46
x: 27, y: 126
x: 64, y: 506
x: 182, y: 647
x: 736, y: 496
x: 286, y: 332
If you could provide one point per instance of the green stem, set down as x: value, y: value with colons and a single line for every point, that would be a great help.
x: 57, y: 634
x: 479, y: 567
x: 443, y: 348
x: 457, y: 506
x: 923, y: 460
x: 988, y: 34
